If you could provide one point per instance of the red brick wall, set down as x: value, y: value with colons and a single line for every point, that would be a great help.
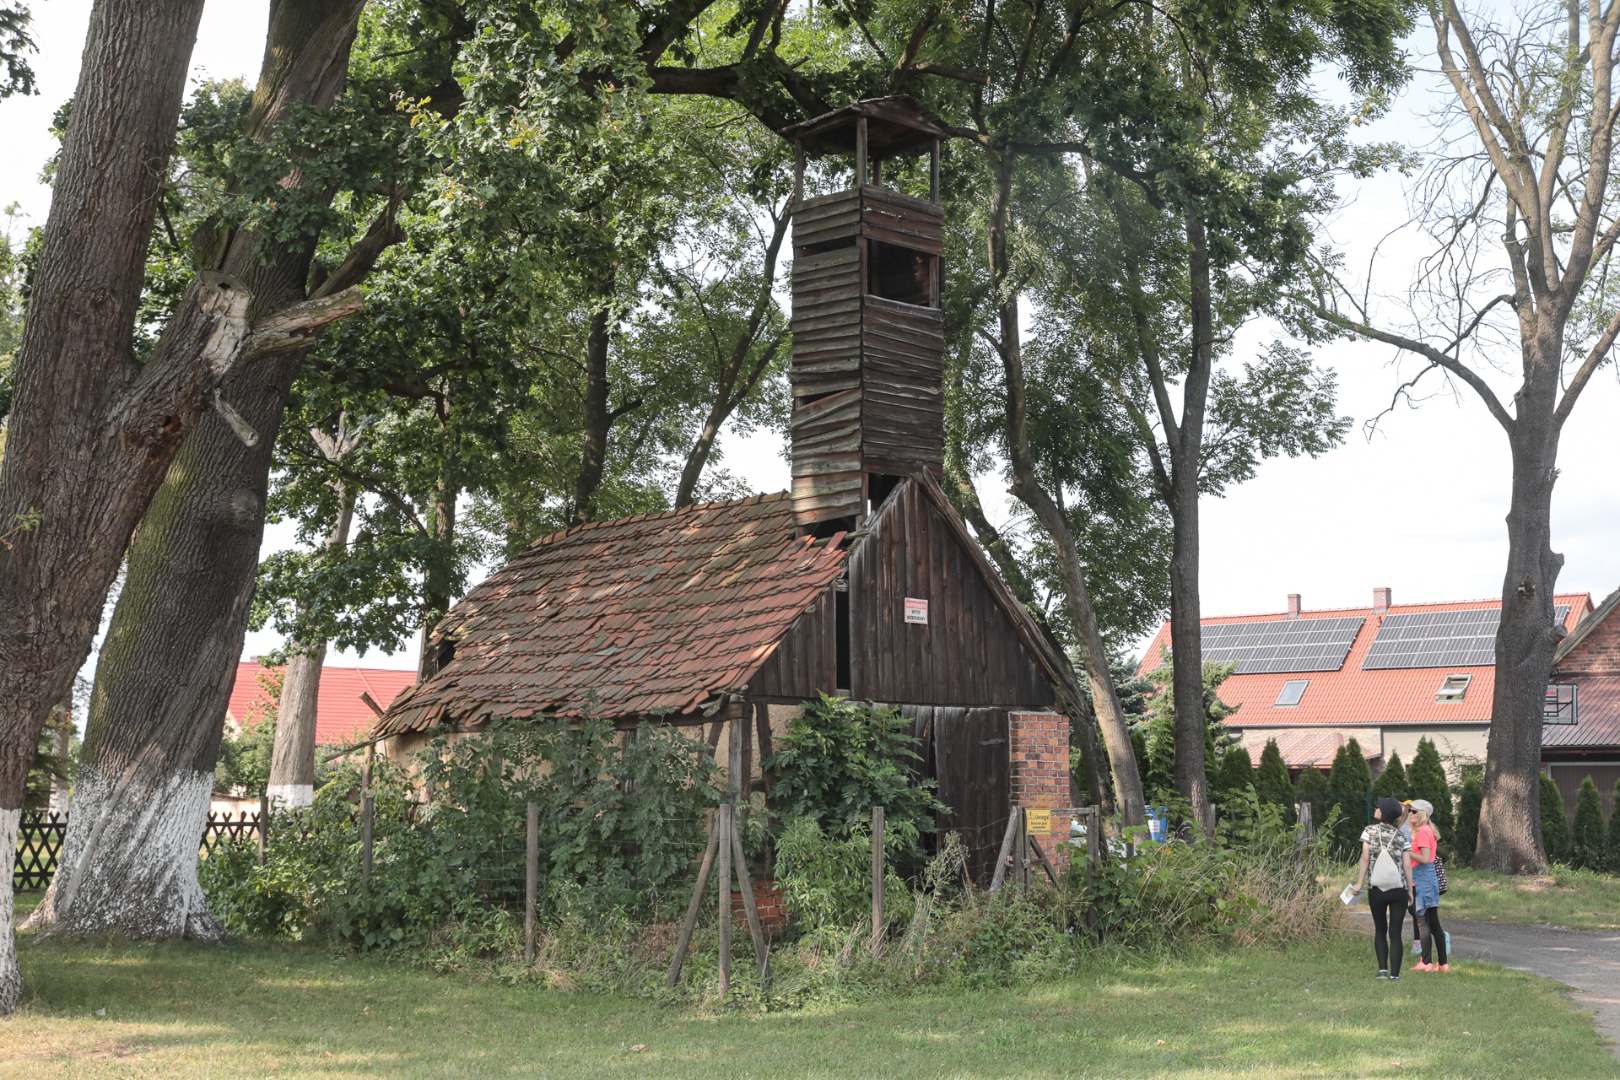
x: 1040, y: 775
x: 1599, y: 652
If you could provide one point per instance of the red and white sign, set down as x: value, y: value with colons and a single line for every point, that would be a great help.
x: 917, y: 611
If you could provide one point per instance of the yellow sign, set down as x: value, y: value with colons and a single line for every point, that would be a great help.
x: 1036, y: 821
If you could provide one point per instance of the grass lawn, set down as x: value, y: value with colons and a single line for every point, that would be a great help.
x: 256, y: 1010
x: 1578, y: 899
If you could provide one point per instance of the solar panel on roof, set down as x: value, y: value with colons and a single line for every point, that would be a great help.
x: 1423, y: 639
x: 1282, y: 645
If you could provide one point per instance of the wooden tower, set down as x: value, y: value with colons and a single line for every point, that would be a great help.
x: 868, y: 335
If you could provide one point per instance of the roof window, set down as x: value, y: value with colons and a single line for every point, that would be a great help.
x: 1292, y: 691
x: 1560, y: 704
x: 1454, y: 688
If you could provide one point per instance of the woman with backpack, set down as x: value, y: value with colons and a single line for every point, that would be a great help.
x: 1386, y: 869
x: 1426, y: 887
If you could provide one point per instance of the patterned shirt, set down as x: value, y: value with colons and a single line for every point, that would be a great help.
x: 1387, y: 837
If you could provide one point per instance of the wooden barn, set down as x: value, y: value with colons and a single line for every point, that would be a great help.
x: 861, y: 581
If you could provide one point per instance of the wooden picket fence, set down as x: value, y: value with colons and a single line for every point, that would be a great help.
x: 41, y: 834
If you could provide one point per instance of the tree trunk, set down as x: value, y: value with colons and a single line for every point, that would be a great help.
x: 1526, y: 638
x: 1186, y: 627
x: 1026, y: 487
x: 129, y: 862
x: 436, y: 579
x: 292, y: 761
x: 596, y: 420
x: 72, y: 368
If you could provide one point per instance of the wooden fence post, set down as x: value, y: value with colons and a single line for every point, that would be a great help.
x: 264, y: 827
x: 877, y: 879
x: 368, y: 810
x: 1307, y: 828
x: 762, y: 950
x: 531, y: 881
x: 1021, y: 850
x: 1007, y: 840
x: 725, y: 897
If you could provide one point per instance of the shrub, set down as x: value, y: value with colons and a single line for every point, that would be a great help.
x: 1469, y: 799
x: 839, y: 758
x: 1312, y: 787
x: 826, y: 880
x: 620, y: 829
x: 1271, y: 780
x: 1392, y: 781
x: 1554, y: 825
x: 1348, y: 782
x: 1611, y: 861
x: 1426, y: 779
x: 1236, y: 776
x: 1586, y: 841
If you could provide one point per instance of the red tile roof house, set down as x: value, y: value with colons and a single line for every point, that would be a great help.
x: 1582, y: 735
x: 862, y: 581
x: 1387, y: 675
x: 341, y: 717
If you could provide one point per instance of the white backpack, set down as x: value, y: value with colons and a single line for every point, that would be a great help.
x: 1385, y: 873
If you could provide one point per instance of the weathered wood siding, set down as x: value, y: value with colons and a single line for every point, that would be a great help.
x: 865, y: 371
x: 806, y: 662
x: 968, y: 750
x: 967, y: 654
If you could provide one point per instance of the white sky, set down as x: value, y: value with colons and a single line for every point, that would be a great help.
x: 1419, y: 508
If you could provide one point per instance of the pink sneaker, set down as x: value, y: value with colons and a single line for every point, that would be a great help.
x: 1443, y: 967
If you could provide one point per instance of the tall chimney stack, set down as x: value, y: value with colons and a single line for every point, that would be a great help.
x: 1293, y: 605
x: 1381, y: 600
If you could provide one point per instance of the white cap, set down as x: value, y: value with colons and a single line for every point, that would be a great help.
x: 1424, y: 805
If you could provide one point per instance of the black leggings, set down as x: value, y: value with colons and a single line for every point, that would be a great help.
x: 1389, y: 919
x: 1429, y: 932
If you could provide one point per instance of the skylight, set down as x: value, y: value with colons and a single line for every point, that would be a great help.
x: 1292, y: 691
x: 1454, y: 688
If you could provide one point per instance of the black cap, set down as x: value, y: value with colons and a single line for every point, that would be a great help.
x: 1390, y: 810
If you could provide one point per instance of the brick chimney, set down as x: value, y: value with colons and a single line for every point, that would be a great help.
x: 1293, y: 605
x: 1381, y: 600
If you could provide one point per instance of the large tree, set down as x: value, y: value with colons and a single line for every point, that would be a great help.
x: 129, y: 861
x: 1525, y: 217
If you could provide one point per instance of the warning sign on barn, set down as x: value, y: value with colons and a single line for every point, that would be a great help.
x: 916, y: 611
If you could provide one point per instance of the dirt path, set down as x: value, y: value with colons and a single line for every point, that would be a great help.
x: 1588, y: 961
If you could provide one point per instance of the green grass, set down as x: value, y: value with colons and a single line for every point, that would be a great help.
x: 255, y: 1010
x: 1578, y: 899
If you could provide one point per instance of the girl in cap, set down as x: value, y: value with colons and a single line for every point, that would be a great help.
x: 1426, y: 887
x: 1384, y: 853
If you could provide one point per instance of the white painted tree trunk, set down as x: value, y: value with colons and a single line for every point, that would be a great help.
x: 10, y: 973
x: 292, y: 764
x: 129, y: 866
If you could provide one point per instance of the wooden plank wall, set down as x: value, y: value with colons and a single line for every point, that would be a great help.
x: 806, y: 662
x: 866, y: 371
x: 828, y: 277
x: 968, y: 754
x: 902, y: 405
x: 968, y: 653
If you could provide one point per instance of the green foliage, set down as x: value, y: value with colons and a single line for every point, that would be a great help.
x: 1236, y: 774
x: 1158, y: 730
x: 1348, y: 782
x: 1271, y: 781
x: 1312, y: 787
x: 1426, y: 779
x: 839, y: 758
x: 1587, y: 842
x: 1392, y: 781
x: 1611, y: 848
x: 827, y: 880
x: 621, y: 827
x: 245, y: 751
x: 1554, y: 824
x: 1466, y: 837
x: 48, y: 767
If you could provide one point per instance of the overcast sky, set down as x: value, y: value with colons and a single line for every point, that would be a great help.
x: 1419, y: 507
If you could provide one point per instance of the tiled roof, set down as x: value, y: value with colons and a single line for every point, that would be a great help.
x: 340, y: 716
x: 1352, y: 696
x: 660, y: 613
x: 1597, y: 717
x: 1308, y: 746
